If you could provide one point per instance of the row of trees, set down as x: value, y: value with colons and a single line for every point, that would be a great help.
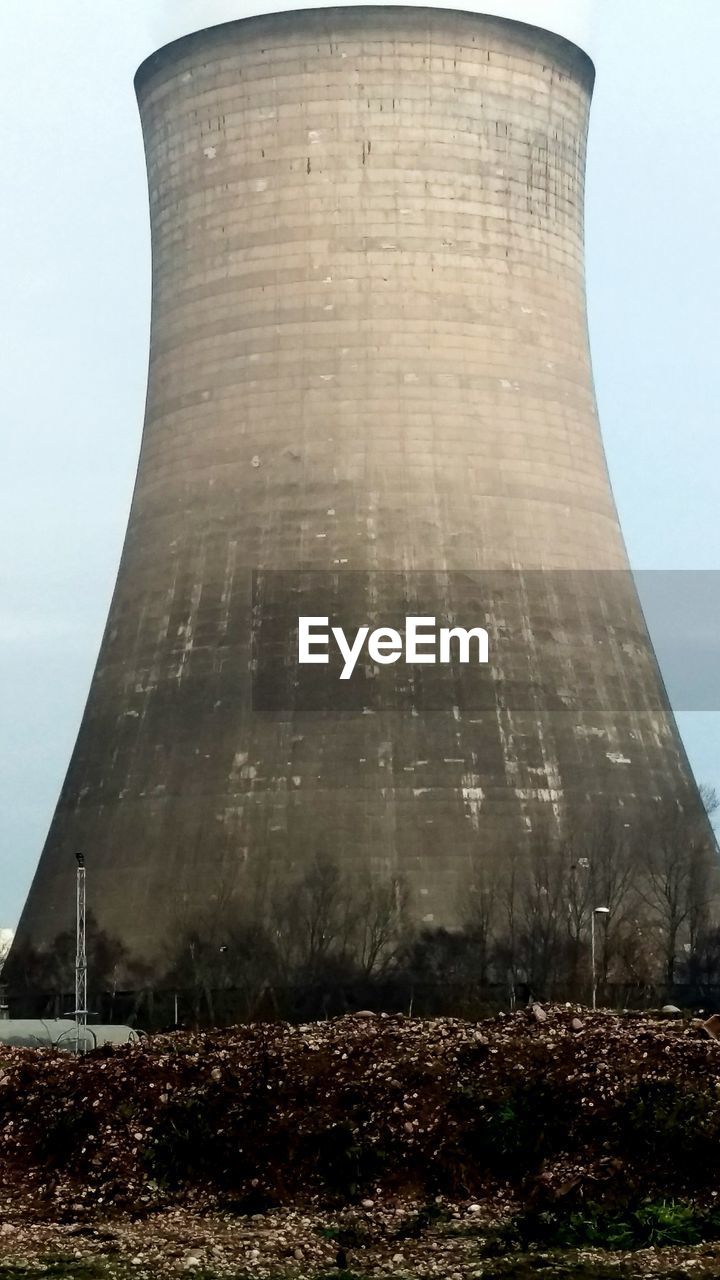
x: 658, y: 882
x: 324, y: 943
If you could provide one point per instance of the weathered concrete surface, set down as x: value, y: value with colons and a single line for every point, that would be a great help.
x: 369, y: 352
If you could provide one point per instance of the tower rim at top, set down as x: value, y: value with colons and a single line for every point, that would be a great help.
x: 494, y: 12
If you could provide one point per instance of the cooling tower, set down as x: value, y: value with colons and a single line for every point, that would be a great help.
x: 370, y: 391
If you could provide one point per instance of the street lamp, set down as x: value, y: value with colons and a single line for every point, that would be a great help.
x: 597, y: 911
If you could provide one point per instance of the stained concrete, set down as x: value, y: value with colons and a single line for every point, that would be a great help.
x: 369, y: 355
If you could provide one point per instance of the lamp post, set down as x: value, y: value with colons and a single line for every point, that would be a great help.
x: 597, y: 911
x: 80, y: 953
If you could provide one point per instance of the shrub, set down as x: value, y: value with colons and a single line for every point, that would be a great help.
x: 660, y: 1223
x: 515, y: 1132
x: 670, y: 1128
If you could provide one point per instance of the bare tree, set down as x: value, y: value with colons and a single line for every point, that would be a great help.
x: 506, y: 950
x: 249, y: 964
x: 42, y: 977
x: 312, y: 917
x: 634, y: 957
x: 326, y: 914
x: 702, y: 877
x: 545, y: 913
x: 380, y: 927
x: 482, y: 908
x: 197, y: 944
x: 601, y: 872
x: 679, y: 879
x: 580, y: 903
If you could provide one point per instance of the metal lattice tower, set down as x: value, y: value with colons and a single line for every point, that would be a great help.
x: 81, y: 997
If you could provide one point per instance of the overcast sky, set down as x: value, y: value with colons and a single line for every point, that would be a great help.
x: 168, y: 19
x: 74, y: 258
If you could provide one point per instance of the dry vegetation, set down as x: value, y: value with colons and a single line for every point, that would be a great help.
x: 370, y: 1146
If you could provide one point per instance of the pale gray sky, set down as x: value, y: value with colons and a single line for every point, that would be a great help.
x: 169, y: 19
x: 74, y: 258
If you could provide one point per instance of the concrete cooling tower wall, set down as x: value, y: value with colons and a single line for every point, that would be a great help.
x: 370, y: 397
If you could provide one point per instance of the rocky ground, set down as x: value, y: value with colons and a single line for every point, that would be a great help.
x: 368, y: 1147
x: 291, y: 1244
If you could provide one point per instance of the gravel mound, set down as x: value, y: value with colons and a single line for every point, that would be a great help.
x: 552, y: 1104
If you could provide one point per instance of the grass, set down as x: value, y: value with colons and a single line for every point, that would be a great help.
x: 558, y: 1267
x: 660, y: 1223
x: 555, y: 1234
x: 553, y: 1265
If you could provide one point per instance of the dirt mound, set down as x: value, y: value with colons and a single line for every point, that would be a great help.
x: 560, y: 1105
